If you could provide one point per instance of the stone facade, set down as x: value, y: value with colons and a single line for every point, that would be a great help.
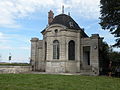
x: 85, y: 52
x: 15, y: 69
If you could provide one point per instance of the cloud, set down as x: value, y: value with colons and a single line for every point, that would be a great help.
x: 83, y: 8
x: 3, y: 47
x: 6, y: 38
x: 13, y: 42
x: 2, y: 38
x: 11, y: 10
x: 7, y: 14
x: 1, y: 34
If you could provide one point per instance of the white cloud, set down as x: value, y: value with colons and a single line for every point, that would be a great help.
x: 2, y: 38
x: 3, y: 47
x: 84, y: 8
x: 7, y: 14
x: 1, y: 34
x: 5, y: 38
x: 13, y: 42
x: 11, y: 10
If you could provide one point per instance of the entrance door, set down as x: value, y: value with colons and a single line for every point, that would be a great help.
x: 86, y: 55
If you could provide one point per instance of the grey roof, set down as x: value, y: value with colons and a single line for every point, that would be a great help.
x: 65, y: 20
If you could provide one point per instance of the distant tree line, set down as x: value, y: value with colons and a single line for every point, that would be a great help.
x: 15, y: 64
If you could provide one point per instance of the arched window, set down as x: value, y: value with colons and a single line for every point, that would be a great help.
x: 55, y: 49
x: 71, y: 50
x: 45, y: 50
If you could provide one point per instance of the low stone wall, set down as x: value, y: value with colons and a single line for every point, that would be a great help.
x: 15, y: 69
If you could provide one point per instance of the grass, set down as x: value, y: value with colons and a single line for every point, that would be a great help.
x: 57, y: 82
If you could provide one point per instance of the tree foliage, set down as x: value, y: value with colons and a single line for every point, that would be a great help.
x: 110, y: 18
x: 108, y: 54
x: 104, y: 54
x: 114, y: 56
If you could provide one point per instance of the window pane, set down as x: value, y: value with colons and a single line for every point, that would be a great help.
x: 71, y: 50
x: 55, y: 49
x: 45, y: 50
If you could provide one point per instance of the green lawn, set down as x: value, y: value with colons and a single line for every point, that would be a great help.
x: 57, y: 82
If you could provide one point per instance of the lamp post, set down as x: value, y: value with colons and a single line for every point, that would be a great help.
x: 10, y: 57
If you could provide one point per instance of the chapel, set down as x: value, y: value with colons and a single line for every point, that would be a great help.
x: 65, y: 48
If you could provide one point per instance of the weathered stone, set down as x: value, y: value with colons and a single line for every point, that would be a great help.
x: 86, y: 50
x: 15, y: 69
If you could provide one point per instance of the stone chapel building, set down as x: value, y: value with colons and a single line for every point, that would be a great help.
x: 65, y: 48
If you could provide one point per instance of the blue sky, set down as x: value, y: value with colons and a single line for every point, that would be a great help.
x: 20, y: 20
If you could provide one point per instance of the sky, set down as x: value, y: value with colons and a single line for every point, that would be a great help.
x: 21, y: 20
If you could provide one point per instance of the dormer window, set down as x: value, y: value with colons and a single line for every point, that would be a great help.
x: 71, y: 24
x: 56, y: 30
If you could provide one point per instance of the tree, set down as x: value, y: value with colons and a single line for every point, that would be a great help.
x: 114, y: 56
x: 106, y: 55
x: 110, y: 18
x: 104, y: 58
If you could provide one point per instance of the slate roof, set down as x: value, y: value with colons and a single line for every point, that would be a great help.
x: 65, y: 20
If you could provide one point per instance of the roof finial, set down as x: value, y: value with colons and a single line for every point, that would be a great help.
x: 62, y: 9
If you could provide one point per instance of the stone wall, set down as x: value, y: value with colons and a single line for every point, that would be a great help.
x: 61, y: 67
x: 93, y: 43
x: 42, y: 59
x: 15, y: 69
x: 37, y: 54
x: 63, y: 35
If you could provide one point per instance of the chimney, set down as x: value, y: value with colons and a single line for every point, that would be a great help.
x: 50, y: 16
